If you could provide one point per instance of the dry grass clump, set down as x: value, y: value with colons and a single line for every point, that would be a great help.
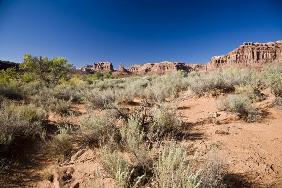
x: 172, y: 169
x: 20, y: 123
x: 97, y: 99
x: 212, y: 175
x: 61, y: 144
x: 273, y: 76
x: 254, y: 92
x: 134, y: 142
x: 116, y: 167
x: 164, y: 123
x: 133, y: 88
x: 59, y: 106
x: 68, y: 92
x: 119, y: 169
x: 242, y: 105
x: 220, y: 81
x: 167, y: 85
x: 11, y: 90
x: 99, y: 130
x: 133, y: 138
x: 9, y: 86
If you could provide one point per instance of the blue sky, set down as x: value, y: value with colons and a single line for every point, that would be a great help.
x: 134, y: 31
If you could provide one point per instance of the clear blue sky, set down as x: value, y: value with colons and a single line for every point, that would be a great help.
x: 134, y: 31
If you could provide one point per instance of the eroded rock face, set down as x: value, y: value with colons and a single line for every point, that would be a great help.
x: 99, y: 67
x: 149, y: 68
x: 250, y: 54
x: 159, y: 68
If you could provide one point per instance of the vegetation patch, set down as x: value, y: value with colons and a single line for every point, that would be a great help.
x: 242, y: 105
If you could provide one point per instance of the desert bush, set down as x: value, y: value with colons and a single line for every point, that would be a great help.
x: 98, y: 99
x: 92, y: 78
x: 213, y: 172
x: 109, y: 84
x: 172, y: 168
x: 11, y: 90
x: 32, y: 88
x: 133, y: 88
x: 167, y: 85
x: 59, y: 106
x: 119, y: 169
x: 19, y: 123
x: 252, y: 91
x: 8, y: 75
x: 134, y: 139
x: 242, y: 105
x: 164, y: 123
x: 221, y: 80
x: 61, y: 144
x: 273, y: 76
x: 116, y: 167
x: 99, y: 130
x: 26, y: 112
x: 68, y: 92
x: 72, y: 90
x: 9, y: 86
x: 132, y: 135
x: 45, y: 98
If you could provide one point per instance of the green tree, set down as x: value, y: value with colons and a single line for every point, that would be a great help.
x: 8, y: 75
x: 48, y: 70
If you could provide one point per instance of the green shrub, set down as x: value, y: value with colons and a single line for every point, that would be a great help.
x: 242, y: 105
x: 172, y: 169
x: 26, y: 112
x: 50, y: 71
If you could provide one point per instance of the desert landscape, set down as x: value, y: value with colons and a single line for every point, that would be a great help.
x: 167, y: 124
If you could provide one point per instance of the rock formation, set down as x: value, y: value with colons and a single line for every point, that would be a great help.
x: 98, y: 67
x: 149, y: 68
x: 159, y: 68
x: 250, y: 54
x: 7, y: 64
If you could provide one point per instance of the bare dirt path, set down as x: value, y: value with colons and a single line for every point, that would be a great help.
x: 251, y: 152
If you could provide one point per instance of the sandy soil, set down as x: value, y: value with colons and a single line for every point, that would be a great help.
x: 251, y: 152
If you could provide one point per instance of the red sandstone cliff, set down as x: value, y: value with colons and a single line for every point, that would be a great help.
x: 250, y: 54
x: 149, y: 68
